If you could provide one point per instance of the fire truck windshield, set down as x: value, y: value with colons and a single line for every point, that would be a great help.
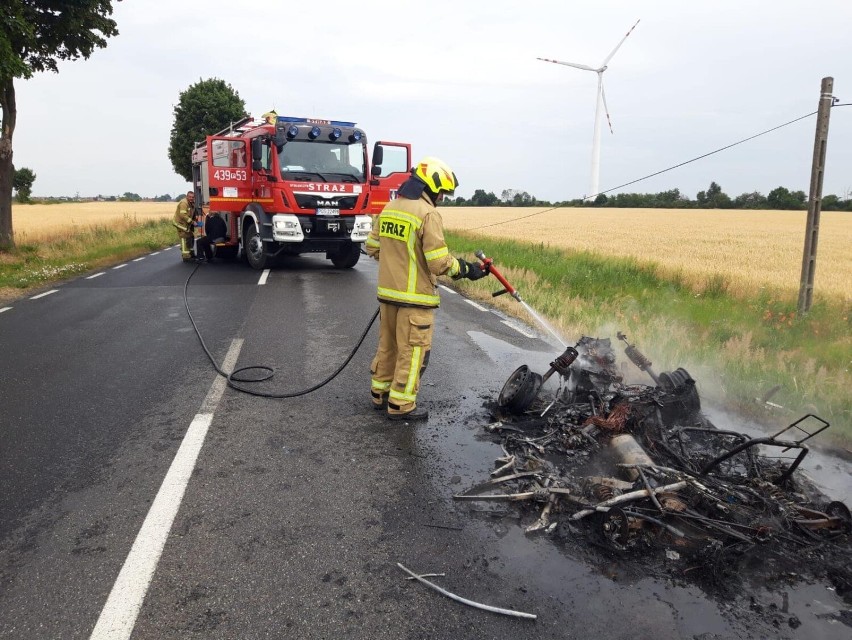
x: 330, y: 161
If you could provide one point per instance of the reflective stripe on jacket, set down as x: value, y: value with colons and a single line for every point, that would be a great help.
x: 408, y: 241
x: 183, y: 216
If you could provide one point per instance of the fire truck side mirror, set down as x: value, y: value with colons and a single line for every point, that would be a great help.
x: 256, y: 154
x: 376, y: 171
x: 378, y: 154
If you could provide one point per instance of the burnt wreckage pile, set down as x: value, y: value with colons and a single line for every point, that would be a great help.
x: 638, y: 467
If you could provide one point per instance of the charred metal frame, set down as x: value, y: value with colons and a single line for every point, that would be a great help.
x: 773, y: 441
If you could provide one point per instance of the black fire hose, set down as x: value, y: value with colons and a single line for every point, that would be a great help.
x: 269, y: 372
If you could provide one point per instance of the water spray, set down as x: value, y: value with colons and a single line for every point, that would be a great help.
x: 487, y: 265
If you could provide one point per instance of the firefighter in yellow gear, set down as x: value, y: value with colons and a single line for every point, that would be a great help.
x: 183, y: 222
x: 408, y: 241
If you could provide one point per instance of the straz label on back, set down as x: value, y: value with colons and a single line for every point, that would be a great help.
x: 396, y: 229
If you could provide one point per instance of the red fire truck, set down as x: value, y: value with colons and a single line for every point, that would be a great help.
x: 286, y: 186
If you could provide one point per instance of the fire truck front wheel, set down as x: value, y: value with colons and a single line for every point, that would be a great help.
x: 253, y: 248
x: 347, y: 256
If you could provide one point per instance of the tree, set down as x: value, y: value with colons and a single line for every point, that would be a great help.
x: 781, y: 198
x: 22, y: 183
x: 34, y: 36
x: 713, y: 198
x: 129, y: 196
x: 831, y: 203
x: 671, y: 199
x: 753, y: 200
x: 205, y: 108
x: 507, y: 194
x: 482, y: 199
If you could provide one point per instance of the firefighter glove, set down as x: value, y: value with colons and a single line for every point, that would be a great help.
x: 470, y: 270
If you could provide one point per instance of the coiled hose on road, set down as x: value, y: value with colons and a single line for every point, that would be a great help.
x: 266, y: 372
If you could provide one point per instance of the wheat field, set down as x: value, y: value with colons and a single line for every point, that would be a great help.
x: 38, y: 222
x: 752, y: 250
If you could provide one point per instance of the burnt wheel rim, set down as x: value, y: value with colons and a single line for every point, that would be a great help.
x: 520, y: 389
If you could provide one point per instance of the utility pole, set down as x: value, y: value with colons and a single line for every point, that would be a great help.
x: 806, y: 288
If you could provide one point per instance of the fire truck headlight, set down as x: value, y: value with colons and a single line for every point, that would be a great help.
x: 335, y: 133
x: 361, y: 229
x: 286, y: 228
x: 355, y: 137
x: 293, y: 131
x: 315, y: 131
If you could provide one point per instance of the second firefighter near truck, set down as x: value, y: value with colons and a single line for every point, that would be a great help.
x: 183, y: 221
x: 407, y: 239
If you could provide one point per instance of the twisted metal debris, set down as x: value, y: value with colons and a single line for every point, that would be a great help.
x: 640, y: 467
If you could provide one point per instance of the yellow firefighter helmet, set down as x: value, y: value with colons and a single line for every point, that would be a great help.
x: 436, y: 175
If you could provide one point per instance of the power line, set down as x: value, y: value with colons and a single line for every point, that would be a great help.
x: 651, y: 175
x: 757, y: 135
x: 494, y: 224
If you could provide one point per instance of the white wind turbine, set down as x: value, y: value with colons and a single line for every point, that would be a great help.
x: 601, y: 101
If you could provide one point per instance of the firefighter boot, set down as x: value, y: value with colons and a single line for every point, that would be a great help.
x: 415, y: 415
x: 185, y: 250
x: 380, y: 400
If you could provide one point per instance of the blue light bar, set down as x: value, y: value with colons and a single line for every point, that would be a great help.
x: 336, y: 123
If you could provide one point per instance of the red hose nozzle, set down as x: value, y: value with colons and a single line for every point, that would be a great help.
x: 488, y: 265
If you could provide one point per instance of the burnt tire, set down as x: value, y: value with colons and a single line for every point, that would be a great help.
x: 347, y: 256
x: 253, y: 248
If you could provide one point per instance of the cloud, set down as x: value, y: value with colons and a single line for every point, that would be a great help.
x: 460, y: 81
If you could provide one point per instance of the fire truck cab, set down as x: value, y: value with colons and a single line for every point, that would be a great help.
x: 286, y: 186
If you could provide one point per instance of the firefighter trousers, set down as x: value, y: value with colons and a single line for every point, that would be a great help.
x: 405, y: 339
x: 186, y: 242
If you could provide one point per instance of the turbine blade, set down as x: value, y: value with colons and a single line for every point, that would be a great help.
x: 606, y: 109
x: 609, y: 57
x: 569, y: 64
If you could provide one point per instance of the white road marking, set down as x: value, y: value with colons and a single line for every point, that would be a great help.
x: 5, y: 309
x: 518, y: 328
x: 46, y: 293
x: 263, y: 277
x: 138, y: 259
x: 473, y: 304
x: 156, y: 253
x: 120, y: 266
x: 97, y: 275
x: 169, y: 248
x: 448, y: 290
x: 119, y: 614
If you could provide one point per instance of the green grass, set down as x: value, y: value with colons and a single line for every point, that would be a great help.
x: 736, y: 348
x: 32, y: 265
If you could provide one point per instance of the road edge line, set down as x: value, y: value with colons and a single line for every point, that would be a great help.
x: 118, y: 617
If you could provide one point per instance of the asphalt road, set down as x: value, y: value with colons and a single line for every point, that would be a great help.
x: 141, y: 498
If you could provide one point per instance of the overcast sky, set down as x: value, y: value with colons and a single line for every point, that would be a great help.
x: 460, y: 80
